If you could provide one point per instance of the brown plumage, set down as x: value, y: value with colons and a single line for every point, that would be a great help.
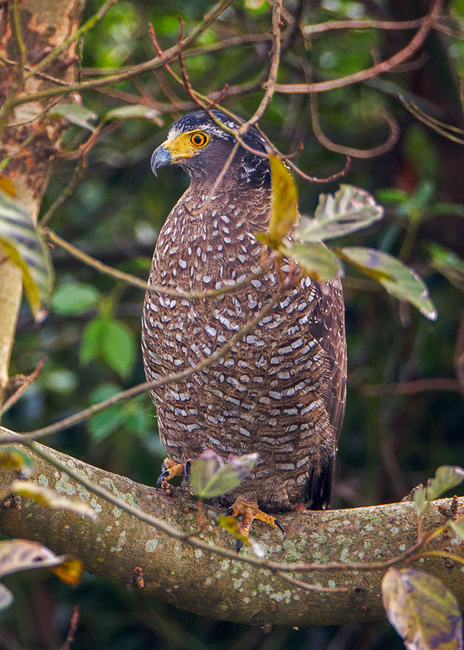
x: 281, y: 391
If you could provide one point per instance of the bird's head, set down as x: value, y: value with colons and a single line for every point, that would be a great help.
x: 202, y: 147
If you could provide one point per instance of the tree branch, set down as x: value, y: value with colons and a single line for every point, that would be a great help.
x: 226, y: 588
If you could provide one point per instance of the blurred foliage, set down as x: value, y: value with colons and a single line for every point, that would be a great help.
x: 390, y: 442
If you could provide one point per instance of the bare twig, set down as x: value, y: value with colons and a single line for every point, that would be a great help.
x: 158, y: 62
x: 85, y: 258
x: 374, y: 71
x: 123, y: 396
x: 416, y: 386
x: 77, y: 176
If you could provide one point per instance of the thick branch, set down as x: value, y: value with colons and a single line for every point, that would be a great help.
x: 222, y: 588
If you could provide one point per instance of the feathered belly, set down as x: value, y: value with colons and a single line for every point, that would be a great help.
x: 267, y: 395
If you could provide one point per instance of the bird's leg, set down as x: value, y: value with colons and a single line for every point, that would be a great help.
x: 170, y: 468
x: 249, y: 512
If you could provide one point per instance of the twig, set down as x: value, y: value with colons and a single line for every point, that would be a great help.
x: 74, y: 622
x: 136, y: 70
x: 330, y: 25
x: 374, y: 71
x: 416, y: 386
x: 77, y: 176
x: 123, y: 396
x: 350, y: 151
x: 273, y: 70
x: 25, y: 383
x: 18, y: 35
x: 85, y: 258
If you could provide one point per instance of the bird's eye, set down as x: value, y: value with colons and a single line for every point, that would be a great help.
x: 199, y: 139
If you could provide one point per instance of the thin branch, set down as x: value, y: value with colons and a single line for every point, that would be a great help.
x: 130, y: 393
x: 374, y: 71
x: 273, y: 70
x: 18, y: 35
x: 136, y: 70
x: 25, y: 382
x: 133, y: 280
x: 77, y: 177
x: 416, y: 386
x: 330, y: 25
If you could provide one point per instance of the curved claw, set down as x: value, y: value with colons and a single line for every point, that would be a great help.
x: 229, y: 512
x: 279, y: 526
x: 162, y: 476
x: 187, y: 468
x: 239, y: 545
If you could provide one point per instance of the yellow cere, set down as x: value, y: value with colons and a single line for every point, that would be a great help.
x: 186, y: 145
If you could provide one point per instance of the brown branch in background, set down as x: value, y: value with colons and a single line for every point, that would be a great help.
x: 17, y: 385
x: 350, y: 151
x: 447, y: 130
x: 416, y: 386
x: 374, y: 71
x: 169, y: 55
x: 273, y: 70
x: 74, y: 622
x: 330, y: 25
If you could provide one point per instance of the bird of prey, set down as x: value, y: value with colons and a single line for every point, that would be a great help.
x: 281, y: 390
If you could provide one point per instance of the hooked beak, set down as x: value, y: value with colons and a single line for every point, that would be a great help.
x: 160, y: 158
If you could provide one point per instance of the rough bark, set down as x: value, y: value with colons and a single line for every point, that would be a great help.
x: 217, y: 587
x: 44, y: 25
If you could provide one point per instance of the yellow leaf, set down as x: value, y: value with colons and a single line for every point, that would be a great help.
x: 284, y: 202
x: 11, y: 460
x: 7, y: 186
x: 30, y: 286
x: 70, y: 571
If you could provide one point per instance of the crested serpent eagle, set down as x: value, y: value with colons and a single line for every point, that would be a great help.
x: 281, y: 390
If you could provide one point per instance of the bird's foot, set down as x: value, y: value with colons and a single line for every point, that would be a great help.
x: 170, y: 468
x: 249, y: 512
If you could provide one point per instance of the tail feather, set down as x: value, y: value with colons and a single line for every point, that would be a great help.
x: 318, y: 488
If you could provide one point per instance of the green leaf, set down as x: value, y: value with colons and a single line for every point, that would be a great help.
x: 92, y: 340
x: 22, y: 243
x: 284, y: 202
x: 135, y: 111
x: 422, y: 610
x: 104, y: 423
x: 339, y: 214
x: 113, y: 341
x: 315, y: 259
x: 446, y: 478
x: 449, y: 265
x: 212, y: 477
x: 50, y: 498
x: 119, y: 347
x: 73, y: 298
x: 392, y: 195
x: 76, y: 114
x: 398, y: 279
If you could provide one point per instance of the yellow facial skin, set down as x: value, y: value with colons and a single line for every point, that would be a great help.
x: 185, y: 145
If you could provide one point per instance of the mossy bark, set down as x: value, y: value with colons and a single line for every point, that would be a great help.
x: 210, y: 585
x: 44, y: 24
